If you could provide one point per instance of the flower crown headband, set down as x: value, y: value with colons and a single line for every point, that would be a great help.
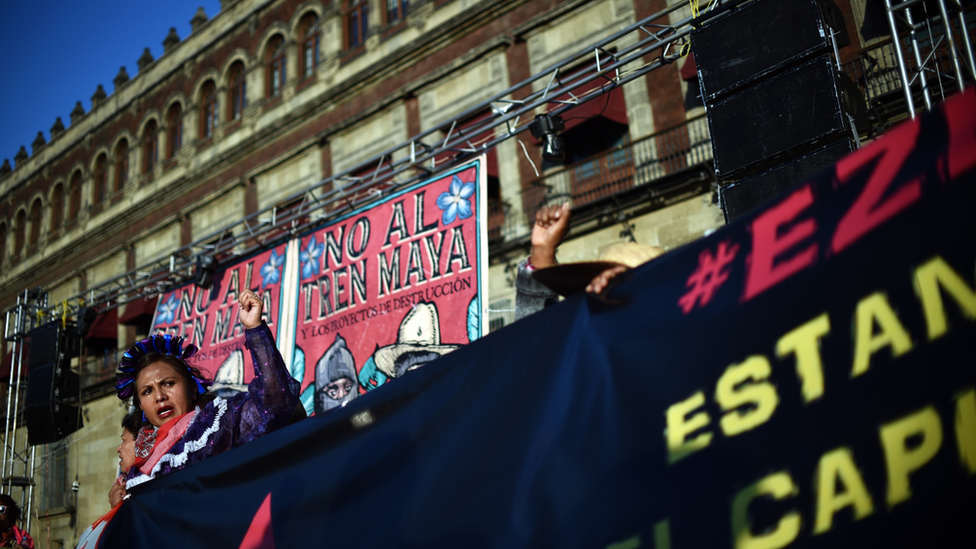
x: 125, y: 375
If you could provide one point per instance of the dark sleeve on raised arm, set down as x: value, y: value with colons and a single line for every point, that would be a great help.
x: 273, y: 391
x: 531, y: 296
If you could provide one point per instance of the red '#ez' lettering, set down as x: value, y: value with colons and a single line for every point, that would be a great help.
x: 763, y: 272
x: 870, y: 209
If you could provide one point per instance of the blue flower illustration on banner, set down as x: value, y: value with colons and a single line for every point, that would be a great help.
x: 271, y: 271
x: 455, y: 201
x: 310, y: 258
x: 167, y: 310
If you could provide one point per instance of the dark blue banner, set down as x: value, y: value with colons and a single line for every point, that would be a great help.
x: 804, y: 377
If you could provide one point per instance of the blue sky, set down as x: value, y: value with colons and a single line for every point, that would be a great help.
x: 55, y: 53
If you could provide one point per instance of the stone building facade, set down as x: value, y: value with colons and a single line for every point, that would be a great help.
x: 268, y: 97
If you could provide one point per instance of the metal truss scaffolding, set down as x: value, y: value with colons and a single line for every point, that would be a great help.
x: 17, y: 468
x: 651, y: 45
x: 507, y: 114
x: 927, y: 38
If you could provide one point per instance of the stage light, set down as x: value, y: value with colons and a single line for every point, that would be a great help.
x: 206, y: 269
x: 86, y: 317
x: 547, y: 127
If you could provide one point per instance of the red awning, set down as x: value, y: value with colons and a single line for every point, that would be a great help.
x: 690, y: 68
x: 139, y: 310
x: 492, y: 161
x: 106, y: 326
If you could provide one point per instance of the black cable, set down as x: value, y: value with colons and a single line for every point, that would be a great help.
x: 605, y: 105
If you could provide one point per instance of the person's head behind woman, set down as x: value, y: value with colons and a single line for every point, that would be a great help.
x: 131, y: 424
x: 10, y: 514
x: 164, y: 386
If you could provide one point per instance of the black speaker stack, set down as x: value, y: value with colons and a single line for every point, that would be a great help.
x: 52, y: 400
x: 778, y: 108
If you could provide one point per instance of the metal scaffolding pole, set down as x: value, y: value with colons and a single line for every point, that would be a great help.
x: 15, y: 374
x: 958, y: 51
x: 953, y: 55
x: 967, y: 45
x: 900, y: 58
x: 30, y: 489
x: 913, y: 37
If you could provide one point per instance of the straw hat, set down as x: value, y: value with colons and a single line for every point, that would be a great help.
x: 229, y: 378
x: 567, y: 279
x: 419, y: 331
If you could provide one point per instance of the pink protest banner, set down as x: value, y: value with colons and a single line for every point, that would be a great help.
x: 388, y: 288
x: 208, y: 318
x: 354, y: 304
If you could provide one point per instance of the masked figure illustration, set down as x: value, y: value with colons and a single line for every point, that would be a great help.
x: 335, y: 377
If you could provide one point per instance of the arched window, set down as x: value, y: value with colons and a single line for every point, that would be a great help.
x: 3, y: 242
x: 238, y: 90
x: 310, y: 44
x: 74, y: 195
x: 208, y: 109
x: 57, y: 207
x: 35, y: 223
x: 99, y: 180
x: 121, y: 165
x: 396, y: 10
x: 20, y: 226
x: 151, y: 143
x: 275, y: 56
x: 357, y: 22
x: 174, y: 120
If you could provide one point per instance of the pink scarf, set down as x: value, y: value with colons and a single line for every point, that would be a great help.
x: 166, y: 436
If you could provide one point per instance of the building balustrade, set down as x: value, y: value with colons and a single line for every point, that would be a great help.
x: 876, y: 73
x: 100, y: 368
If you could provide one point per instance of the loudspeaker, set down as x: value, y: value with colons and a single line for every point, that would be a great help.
x: 51, y: 341
x: 743, y: 195
x: 785, y: 116
x: 756, y: 41
x: 47, y: 413
x: 51, y: 383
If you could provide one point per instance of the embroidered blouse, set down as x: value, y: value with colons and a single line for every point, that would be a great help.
x: 224, y: 424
